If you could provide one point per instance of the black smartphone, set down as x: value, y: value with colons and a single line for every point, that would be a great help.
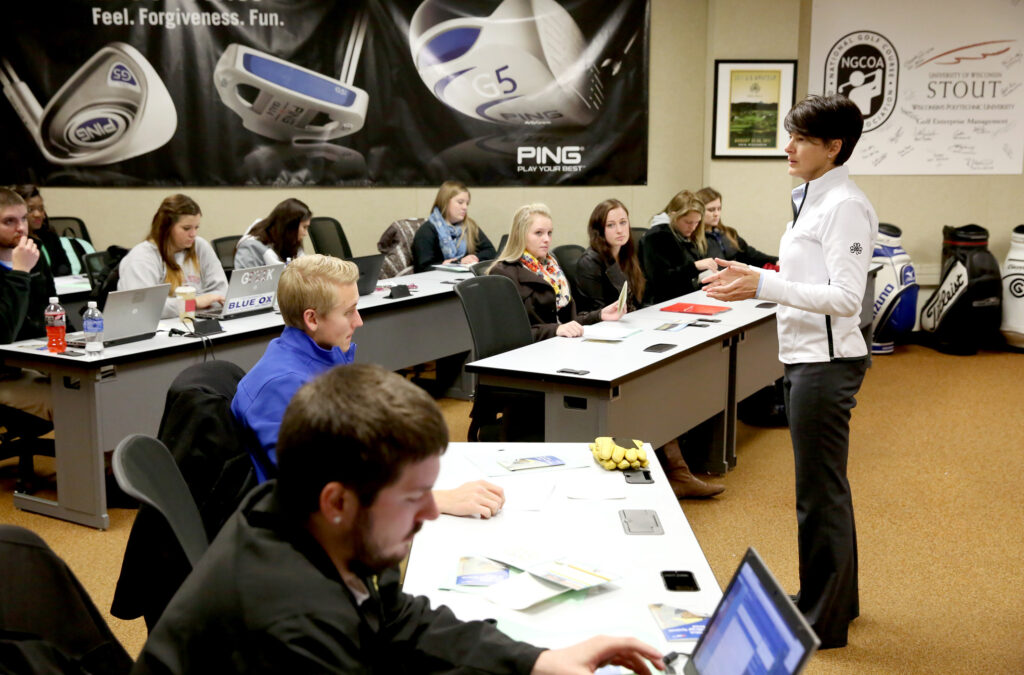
x: 71, y: 352
x: 572, y: 371
x: 765, y: 305
x: 679, y: 580
x: 659, y: 347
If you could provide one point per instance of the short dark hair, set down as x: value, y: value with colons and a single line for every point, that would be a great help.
x: 358, y: 425
x: 829, y: 118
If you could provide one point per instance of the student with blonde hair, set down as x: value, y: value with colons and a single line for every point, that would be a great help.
x: 540, y: 280
x: 173, y: 253
x: 675, y: 249
x: 450, y: 235
x: 317, y: 296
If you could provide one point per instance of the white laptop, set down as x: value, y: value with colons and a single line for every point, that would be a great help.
x: 250, y: 291
x: 129, y: 316
x: 756, y: 628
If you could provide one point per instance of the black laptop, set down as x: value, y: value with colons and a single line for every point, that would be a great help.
x: 369, y: 272
x: 756, y: 628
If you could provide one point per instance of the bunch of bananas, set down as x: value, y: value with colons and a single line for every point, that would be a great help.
x: 619, y: 453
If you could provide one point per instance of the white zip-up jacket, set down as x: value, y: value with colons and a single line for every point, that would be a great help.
x: 823, y: 259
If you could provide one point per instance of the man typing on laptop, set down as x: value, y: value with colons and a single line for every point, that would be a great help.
x: 317, y: 296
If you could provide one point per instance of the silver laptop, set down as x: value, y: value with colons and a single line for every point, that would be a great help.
x: 250, y: 291
x: 129, y: 316
x: 756, y: 628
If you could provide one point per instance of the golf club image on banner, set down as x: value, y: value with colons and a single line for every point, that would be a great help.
x: 112, y: 108
x: 280, y: 100
x: 526, y: 63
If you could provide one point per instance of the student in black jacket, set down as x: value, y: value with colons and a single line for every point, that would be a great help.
x: 724, y: 241
x: 49, y: 242
x: 675, y: 249
x: 542, y: 284
x: 303, y: 578
x: 610, y: 262
x: 450, y: 235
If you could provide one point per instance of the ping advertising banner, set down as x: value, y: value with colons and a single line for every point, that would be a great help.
x: 941, y: 84
x: 325, y: 92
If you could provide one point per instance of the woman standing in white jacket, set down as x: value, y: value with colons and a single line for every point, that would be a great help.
x: 823, y: 260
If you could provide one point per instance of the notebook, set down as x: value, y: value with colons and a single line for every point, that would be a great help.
x: 250, y: 291
x: 755, y: 628
x: 369, y: 271
x: 129, y: 316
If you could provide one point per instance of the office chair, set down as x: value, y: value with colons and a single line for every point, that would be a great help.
x: 224, y: 247
x: 210, y: 452
x: 328, y: 237
x: 93, y: 264
x: 396, y: 245
x: 568, y: 257
x: 145, y: 469
x: 501, y: 244
x: 20, y: 434
x: 69, y: 226
x: 497, y: 323
x: 48, y: 623
x: 480, y: 268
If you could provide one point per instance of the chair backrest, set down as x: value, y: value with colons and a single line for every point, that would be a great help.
x: 69, y: 226
x: 224, y: 247
x: 93, y: 264
x: 568, y: 257
x: 495, y: 313
x: 396, y: 245
x: 501, y: 244
x: 145, y: 469
x: 328, y: 237
x: 480, y: 268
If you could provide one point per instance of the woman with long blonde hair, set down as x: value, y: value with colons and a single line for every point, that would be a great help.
x: 173, y: 253
x: 541, y: 282
x: 675, y: 249
x: 724, y: 241
x: 450, y: 235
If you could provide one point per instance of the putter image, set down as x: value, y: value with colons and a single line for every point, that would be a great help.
x: 280, y: 100
x: 524, y: 64
x: 113, y: 108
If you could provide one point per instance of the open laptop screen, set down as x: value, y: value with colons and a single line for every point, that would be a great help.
x: 755, y: 629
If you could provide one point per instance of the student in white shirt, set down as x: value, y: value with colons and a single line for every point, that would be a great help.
x: 823, y: 259
x: 173, y: 253
x: 276, y: 238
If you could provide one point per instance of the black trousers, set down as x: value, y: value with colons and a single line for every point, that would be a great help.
x: 819, y: 398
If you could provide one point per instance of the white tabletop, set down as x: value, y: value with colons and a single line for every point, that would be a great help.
x: 585, y: 529
x: 611, y: 363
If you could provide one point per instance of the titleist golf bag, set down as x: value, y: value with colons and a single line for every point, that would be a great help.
x: 964, y: 312
x: 896, y: 289
x: 1013, y: 291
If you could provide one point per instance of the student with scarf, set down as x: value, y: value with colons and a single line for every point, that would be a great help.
x: 541, y: 282
x: 450, y: 235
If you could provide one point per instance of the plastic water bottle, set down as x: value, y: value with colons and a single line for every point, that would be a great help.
x: 55, y: 327
x: 92, y: 322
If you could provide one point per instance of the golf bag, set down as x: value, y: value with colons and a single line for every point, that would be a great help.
x: 1013, y: 291
x: 964, y: 312
x: 896, y: 288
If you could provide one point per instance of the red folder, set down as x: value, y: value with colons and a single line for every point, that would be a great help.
x: 690, y: 308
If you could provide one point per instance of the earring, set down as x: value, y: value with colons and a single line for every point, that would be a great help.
x: 337, y: 520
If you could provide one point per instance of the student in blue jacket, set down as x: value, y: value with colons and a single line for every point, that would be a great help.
x: 317, y: 295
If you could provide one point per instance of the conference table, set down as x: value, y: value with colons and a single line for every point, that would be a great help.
x: 568, y: 513
x: 610, y: 383
x: 98, y: 400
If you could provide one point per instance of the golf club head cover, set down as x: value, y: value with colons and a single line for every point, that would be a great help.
x: 895, y: 308
x: 964, y: 312
x: 1013, y: 291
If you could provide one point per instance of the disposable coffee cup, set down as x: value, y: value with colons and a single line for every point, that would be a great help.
x: 186, y: 296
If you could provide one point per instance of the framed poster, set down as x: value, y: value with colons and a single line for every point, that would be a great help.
x: 751, y: 101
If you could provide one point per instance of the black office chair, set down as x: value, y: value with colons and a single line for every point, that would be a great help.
x: 480, y: 268
x: 94, y: 264
x: 224, y: 247
x: 328, y: 237
x: 69, y: 226
x: 568, y: 257
x: 210, y: 451
x: 501, y: 244
x: 48, y: 622
x: 497, y: 323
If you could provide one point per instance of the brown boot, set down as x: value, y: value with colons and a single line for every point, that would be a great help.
x: 684, y: 484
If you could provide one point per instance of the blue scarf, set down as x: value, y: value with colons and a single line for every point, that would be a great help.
x: 453, y: 244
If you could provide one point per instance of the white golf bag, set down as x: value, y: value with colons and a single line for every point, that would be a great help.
x: 896, y: 290
x: 1013, y: 291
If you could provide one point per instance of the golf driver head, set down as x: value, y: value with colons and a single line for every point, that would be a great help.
x: 280, y: 100
x: 526, y: 63
x: 114, y: 107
